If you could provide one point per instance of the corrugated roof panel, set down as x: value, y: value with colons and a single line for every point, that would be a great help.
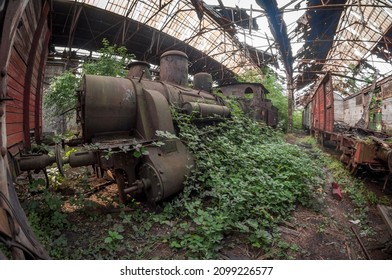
x: 359, y: 30
x: 179, y: 20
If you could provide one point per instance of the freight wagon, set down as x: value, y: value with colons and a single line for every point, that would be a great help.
x: 359, y: 125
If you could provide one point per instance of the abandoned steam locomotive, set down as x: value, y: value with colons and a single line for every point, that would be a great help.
x: 121, y: 117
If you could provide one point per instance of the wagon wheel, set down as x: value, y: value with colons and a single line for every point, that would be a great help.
x: 352, y: 167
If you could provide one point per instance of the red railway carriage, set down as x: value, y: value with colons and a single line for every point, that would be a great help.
x: 23, y: 50
x: 25, y: 75
x: 323, y: 106
x: 358, y: 125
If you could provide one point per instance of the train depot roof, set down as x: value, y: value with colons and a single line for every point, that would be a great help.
x: 344, y: 37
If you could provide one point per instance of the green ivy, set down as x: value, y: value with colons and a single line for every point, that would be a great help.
x: 246, y: 180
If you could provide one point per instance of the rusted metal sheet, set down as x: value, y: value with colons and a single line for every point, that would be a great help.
x: 139, y: 69
x: 174, y: 68
x: 203, y: 81
x: 353, y: 110
x: 108, y: 106
x: 323, y: 107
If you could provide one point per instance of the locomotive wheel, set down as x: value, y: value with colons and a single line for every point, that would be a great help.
x: 153, y: 183
x: 123, y: 183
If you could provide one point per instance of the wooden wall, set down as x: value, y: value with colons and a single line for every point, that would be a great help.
x: 25, y: 70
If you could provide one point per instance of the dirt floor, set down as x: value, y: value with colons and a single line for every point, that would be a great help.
x: 332, y: 233
x: 329, y: 232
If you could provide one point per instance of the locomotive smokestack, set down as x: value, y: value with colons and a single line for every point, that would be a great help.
x: 202, y: 81
x: 139, y: 69
x: 174, y: 68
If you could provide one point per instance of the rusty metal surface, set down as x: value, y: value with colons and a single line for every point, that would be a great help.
x: 323, y: 106
x: 34, y: 162
x: 139, y: 69
x: 108, y: 106
x: 203, y: 81
x: 172, y: 169
x: 174, y: 68
x: 205, y: 110
x: 252, y: 100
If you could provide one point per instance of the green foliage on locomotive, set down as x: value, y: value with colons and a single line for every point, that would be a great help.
x: 60, y: 98
x: 111, y: 61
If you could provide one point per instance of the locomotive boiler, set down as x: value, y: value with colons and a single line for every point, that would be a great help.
x: 124, y: 121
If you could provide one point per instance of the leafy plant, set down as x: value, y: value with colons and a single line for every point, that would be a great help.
x: 60, y: 97
x: 113, y: 237
x: 111, y: 62
x: 246, y: 180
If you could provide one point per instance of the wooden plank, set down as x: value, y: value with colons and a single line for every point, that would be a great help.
x: 19, y: 46
x: 13, y: 109
x: 13, y: 128
x: 29, y: 90
x: 16, y: 73
x: 14, y: 117
x: 32, y: 14
x: 386, y: 214
x: 23, y: 47
x: 14, y: 94
x: 17, y: 61
x: 37, y: 7
x: 15, y: 138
